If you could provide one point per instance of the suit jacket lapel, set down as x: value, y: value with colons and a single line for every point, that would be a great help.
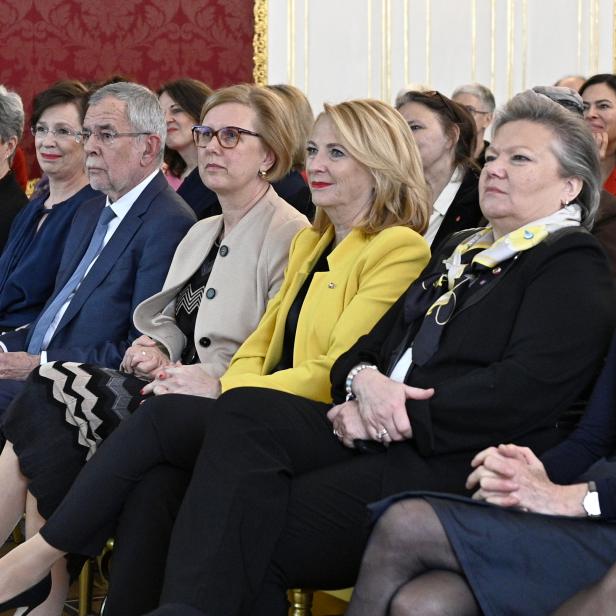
x: 114, y: 249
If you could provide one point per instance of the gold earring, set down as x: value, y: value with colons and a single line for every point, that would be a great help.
x: 262, y: 173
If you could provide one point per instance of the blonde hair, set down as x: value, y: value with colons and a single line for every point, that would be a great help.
x: 272, y: 122
x: 301, y: 116
x: 379, y: 138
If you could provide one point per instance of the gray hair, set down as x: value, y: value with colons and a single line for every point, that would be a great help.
x: 481, y: 92
x: 11, y: 115
x: 573, y: 146
x: 143, y: 111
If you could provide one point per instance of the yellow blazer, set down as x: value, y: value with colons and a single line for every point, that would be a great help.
x: 367, y: 274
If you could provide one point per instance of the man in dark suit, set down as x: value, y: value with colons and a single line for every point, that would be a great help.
x: 119, y: 248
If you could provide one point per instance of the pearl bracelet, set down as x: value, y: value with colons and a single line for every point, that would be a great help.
x: 352, y: 374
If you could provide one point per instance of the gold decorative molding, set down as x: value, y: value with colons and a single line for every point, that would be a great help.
x: 579, y: 35
x: 493, y: 45
x: 369, y: 64
x: 259, y: 43
x: 407, y: 78
x: 510, y: 46
x: 428, y: 44
x: 291, y: 42
x: 614, y: 38
x: 473, y: 40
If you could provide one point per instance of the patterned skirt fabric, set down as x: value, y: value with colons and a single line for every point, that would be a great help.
x: 61, y: 418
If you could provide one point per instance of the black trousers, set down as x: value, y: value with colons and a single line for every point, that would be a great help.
x: 274, y: 501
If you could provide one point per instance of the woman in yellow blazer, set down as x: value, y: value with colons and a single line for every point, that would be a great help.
x: 363, y: 251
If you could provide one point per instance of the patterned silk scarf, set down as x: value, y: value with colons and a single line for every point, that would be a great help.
x: 478, y: 252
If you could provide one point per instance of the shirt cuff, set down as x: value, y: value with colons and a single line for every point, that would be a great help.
x: 43, y: 357
x: 3, y: 347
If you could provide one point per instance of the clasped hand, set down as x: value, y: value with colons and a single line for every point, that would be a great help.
x: 513, y: 476
x: 144, y: 358
x: 17, y: 365
x: 379, y: 411
x: 178, y: 379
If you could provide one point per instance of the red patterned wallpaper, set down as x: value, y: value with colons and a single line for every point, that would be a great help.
x: 151, y: 41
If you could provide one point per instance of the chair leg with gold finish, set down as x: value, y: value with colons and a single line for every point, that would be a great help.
x: 85, y: 589
x: 301, y: 602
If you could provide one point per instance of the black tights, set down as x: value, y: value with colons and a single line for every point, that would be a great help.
x: 409, y: 568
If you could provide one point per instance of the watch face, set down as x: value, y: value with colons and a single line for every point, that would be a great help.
x: 591, y: 504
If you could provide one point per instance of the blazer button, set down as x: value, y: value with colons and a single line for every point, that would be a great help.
x: 205, y: 341
x: 210, y: 293
x: 224, y: 251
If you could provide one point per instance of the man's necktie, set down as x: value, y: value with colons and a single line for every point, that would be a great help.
x: 49, y: 314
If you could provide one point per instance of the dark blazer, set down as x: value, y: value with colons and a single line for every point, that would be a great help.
x: 201, y: 199
x: 604, y: 228
x: 97, y: 325
x: 12, y: 199
x: 512, y: 359
x: 31, y: 258
x: 464, y: 212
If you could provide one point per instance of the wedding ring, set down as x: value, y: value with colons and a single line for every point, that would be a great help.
x: 336, y: 433
x: 382, y: 434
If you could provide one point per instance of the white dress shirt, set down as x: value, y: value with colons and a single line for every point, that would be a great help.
x: 443, y: 203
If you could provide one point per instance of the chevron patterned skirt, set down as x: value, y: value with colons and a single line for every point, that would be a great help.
x: 60, y: 419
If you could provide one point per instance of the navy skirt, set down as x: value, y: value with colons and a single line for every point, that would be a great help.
x: 518, y: 563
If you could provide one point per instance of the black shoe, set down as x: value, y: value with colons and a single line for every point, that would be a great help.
x: 31, y: 598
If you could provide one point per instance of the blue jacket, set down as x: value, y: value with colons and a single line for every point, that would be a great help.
x: 97, y: 326
x: 30, y: 260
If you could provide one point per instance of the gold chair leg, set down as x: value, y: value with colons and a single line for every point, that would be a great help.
x: 85, y: 589
x: 301, y: 602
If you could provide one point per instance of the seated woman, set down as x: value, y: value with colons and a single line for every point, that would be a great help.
x: 182, y: 101
x: 445, y: 135
x: 31, y: 258
x: 12, y: 196
x: 551, y: 535
x: 599, y: 96
x: 505, y: 329
x: 344, y: 273
x: 70, y: 408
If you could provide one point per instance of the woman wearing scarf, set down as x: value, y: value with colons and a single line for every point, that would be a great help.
x: 495, y: 342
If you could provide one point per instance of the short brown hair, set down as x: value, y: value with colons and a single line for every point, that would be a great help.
x: 60, y: 93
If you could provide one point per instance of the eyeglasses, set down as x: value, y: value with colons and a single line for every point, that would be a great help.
x: 227, y: 136
x: 106, y: 136
x: 63, y: 134
x: 474, y: 111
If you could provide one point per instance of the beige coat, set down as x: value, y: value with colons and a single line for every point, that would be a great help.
x: 244, y: 279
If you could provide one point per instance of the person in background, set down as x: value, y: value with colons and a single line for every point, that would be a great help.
x: 599, y: 96
x: 445, y: 135
x: 182, y: 101
x: 478, y: 100
x: 12, y: 196
x: 293, y: 188
x: 31, y: 258
x: 574, y: 82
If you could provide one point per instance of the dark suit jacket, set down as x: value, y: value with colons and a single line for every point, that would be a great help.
x: 464, y: 212
x: 97, y: 325
x: 604, y: 228
x: 513, y: 358
x: 12, y: 199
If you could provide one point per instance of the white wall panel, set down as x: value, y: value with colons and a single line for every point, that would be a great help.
x: 339, y: 49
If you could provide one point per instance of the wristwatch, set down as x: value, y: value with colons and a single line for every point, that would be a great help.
x: 591, y: 501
